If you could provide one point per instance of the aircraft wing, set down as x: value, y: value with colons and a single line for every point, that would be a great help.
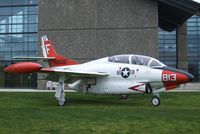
x: 72, y: 73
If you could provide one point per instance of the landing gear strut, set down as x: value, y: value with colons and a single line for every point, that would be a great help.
x: 155, y: 101
x: 60, y: 94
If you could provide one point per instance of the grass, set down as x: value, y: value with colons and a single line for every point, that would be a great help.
x: 84, y: 113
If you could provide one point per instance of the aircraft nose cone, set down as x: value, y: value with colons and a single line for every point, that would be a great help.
x: 189, y: 76
x: 181, y: 76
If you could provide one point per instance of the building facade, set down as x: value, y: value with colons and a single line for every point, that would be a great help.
x: 99, y: 28
x: 88, y: 30
x: 18, y: 37
x: 92, y: 29
x: 168, y: 48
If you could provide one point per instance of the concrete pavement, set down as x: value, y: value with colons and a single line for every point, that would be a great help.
x: 190, y: 87
x: 31, y: 90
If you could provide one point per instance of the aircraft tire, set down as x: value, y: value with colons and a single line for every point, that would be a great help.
x: 155, y: 101
x: 61, y: 103
x: 124, y: 97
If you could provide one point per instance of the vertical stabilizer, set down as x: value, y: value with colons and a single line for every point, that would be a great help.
x: 49, y: 51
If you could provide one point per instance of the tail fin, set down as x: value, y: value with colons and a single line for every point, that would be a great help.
x: 49, y: 51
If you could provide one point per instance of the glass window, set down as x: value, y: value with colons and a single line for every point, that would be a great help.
x: 5, y: 56
x: 20, y: 2
x: 17, y: 19
x: 19, y: 53
x: 33, y: 9
x: 5, y: 47
x: 191, y: 24
x: 5, y: 29
x: 32, y: 47
x: 5, y: 2
x: 5, y: 38
x: 144, y: 61
x: 2, y: 28
x: 26, y: 28
x: 192, y: 28
x: 5, y: 10
x: 16, y: 23
x: 134, y: 59
x: 154, y: 63
x: 33, y: 2
x: 192, y: 32
x: 32, y: 19
x: 140, y: 60
x: 19, y: 46
x: 17, y: 38
x: 33, y: 53
x: 19, y: 10
x: 32, y: 27
x: 167, y: 47
x: 22, y: 19
x: 17, y: 28
x: 3, y: 20
x: 24, y: 47
x: 119, y: 59
x: 32, y: 37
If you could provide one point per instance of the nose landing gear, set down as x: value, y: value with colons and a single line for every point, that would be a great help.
x: 155, y: 100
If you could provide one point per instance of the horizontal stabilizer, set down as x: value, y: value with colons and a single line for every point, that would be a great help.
x: 32, y: 58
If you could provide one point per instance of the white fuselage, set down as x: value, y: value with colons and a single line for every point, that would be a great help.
x: 116, y: 82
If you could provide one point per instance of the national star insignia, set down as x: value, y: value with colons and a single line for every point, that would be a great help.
x: 125, y: 72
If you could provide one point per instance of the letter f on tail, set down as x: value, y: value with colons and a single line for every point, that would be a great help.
x: 49, y: 51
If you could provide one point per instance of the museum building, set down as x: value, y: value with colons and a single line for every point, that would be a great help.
x: 85, y: 30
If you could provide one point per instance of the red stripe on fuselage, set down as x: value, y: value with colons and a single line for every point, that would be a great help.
x: 136, y: 87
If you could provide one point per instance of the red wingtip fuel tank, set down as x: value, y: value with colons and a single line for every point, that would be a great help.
x: 23, y: 67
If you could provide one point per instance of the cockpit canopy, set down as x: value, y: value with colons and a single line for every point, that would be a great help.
x: 137, y: 60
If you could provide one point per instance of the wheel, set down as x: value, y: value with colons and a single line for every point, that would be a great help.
x: 124, y: 97
x: 155, y: 101
x: 61, y: 103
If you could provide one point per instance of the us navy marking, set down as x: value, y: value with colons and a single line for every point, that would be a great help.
x: 125, y: 72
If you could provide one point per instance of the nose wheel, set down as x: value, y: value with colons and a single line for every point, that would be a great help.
x: 155, y: 101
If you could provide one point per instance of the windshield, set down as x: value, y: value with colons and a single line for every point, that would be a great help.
x: 137, y: 60
x: 155, y: 63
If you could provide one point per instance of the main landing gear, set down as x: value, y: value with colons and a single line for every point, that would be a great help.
x: 60, y: 94
x: 155, y: 100
x: 124, y: 97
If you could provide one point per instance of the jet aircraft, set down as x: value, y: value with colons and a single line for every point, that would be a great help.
x: 118, y: 74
